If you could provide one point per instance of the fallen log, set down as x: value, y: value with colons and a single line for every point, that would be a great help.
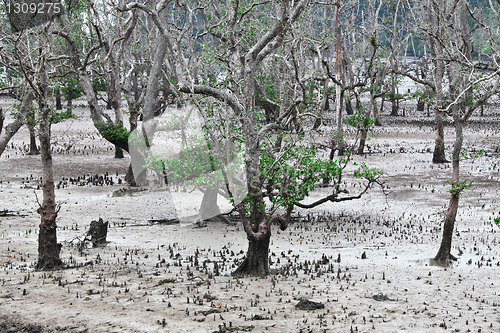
x: 7, y: 213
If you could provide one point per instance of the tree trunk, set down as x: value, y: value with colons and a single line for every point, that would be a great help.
x: 154, y: 76
x: 338, y: 98
x: 118, y: 152
x: 364, y: 130
x: 323, y: 107
x: 395, y: 108
x: 33, y: 148
x: 456, y: 81
x: 376, y: 113
x: 133, y: 101
x: 362, y: 141
x: 394, y: 103
x: 58, y: 100
x: 2, y: 118
x: 109, y: 103
x: 48, y: 249
x: 114, y: 102
x: 256, y: 262
x: 420, y: 105
x: 444, y: 254
x: 348, y: 104
x: 438, y: 73
x: 439, y: 153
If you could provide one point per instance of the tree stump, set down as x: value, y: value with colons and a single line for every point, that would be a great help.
x: 420, y: 105
x: 98, y: 231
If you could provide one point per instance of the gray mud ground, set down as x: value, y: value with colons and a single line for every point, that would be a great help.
x: 135, y: 284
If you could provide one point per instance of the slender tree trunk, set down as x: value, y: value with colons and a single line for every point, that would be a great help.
x: 48, y: 248
x: 324, y: 106
x: 394, y: 87
x: 444, y: 253
x: 348, y: 104
x: 114, y: 102
x: 256, y: 262
x: 438, y: 73
x: 456, y: 82
x: 364, y: 130
x: 439, y: 152
x: 109, y: 105
x: 58, y: 100
x: 137, y: 157
x: 154, y: 76
x: 33, y: 148
x: 133, y: 105
x: 362, y: 142
x: 394, y: 106
x: 339, y: 138
x: 2, y: 118
x: 376, y: 113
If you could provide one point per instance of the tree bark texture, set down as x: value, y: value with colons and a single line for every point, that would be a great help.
x: 2, y: 118
x: 256, y: 262
x: 438, y: 74
x: 444, y: 253
x: 339, y: 139
x: 348, y: 103
x: 375, y: 112
x: 439, y: 152
x: 58, y: 100
x: 48, y: 248
x: 154, y: 76
x: 33, y: 147
x: 362, y: 141
x: 394, y: 106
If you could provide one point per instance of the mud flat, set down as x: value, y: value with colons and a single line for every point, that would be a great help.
x: 365, y: 264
